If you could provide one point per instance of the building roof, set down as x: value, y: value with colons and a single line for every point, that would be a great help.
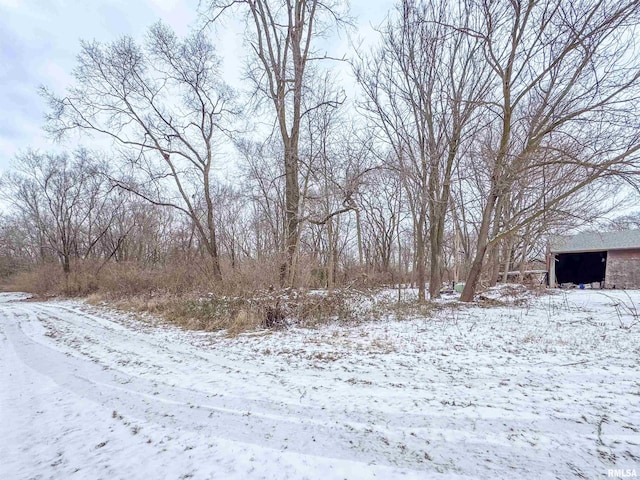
x: 596, y: 242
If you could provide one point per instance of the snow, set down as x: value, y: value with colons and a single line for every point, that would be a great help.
x: 543, y: 388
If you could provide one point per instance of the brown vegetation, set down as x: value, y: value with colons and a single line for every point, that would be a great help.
x: 186, y: 296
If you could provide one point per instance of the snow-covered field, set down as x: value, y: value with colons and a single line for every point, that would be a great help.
x: 549, y: 389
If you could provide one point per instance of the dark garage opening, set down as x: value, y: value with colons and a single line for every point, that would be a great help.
x: 581, y: 267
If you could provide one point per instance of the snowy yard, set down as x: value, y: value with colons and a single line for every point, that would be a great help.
x: 548, y: 389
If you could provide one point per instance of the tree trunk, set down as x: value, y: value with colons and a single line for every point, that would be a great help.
x: 523, y: 257
x: 211, y: 241
x: 436, y: 237
x: 292, y: 199
x: 359, y: 235
x: 66, y: 263
x: 330, y: 256
x: 507, y: 260
x: 493, y: 263
x: 494, y: 250
x: 421, y: 257
x: 481, y: 249
x: 435, y: 275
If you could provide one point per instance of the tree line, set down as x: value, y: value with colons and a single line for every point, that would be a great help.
x: 477, y: 130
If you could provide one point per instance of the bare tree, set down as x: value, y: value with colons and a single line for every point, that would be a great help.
x: 166, y: 109
x: 422, y: 88
x: 283, y: 37
x: 234, y: 232
x: 16, y: 247
x: 336, y: 163
x: 380, y: 204
x: 57, y: 196
x: 565, y: 98
x: 264, y: 185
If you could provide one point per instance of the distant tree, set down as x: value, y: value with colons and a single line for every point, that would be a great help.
x: 15, y: 251
x: 336, y: 163
x: 380, y: 204
x: 57, y: 195
x: 264, y: 185
x: 630, y: 221
x: 235, y: 233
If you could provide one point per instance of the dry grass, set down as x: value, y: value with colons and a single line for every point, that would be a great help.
x: 213, y: 314
x: 414, y: 309
x: 312, y: 310
x: 182, y: 292
x: 44, y: 281
x: 117, y: 279
x: 241, y: 313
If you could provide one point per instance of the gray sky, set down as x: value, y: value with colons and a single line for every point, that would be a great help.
x: 39, y: 40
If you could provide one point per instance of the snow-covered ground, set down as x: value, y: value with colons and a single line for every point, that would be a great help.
x: 548, y: 389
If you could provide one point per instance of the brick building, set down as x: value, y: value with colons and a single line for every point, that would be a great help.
x: 610, y: 259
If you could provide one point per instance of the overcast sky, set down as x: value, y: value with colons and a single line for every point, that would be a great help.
x: 39, y: 40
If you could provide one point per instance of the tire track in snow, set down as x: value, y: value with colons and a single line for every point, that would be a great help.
x: 277, y: 426
x: 532, y: 427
